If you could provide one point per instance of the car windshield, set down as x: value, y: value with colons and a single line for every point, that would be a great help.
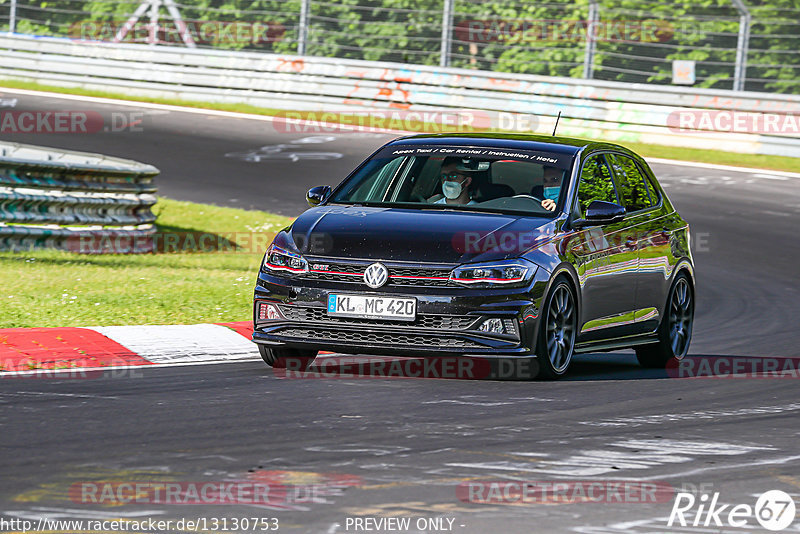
x: 453, y: 177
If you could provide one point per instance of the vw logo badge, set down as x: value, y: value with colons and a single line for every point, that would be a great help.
x: 376, y: 275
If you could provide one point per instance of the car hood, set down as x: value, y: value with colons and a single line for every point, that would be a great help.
x: 415, y: 235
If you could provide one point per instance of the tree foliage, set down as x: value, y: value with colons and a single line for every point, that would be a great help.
x: 634, y: 41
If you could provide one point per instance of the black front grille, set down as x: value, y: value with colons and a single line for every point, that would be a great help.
x: 424, y: 272
x: 377, y: 339
x: 418, y: 282
x: 439, y: 322
x: 419, y: 277
x: 333, y: 276
x: 398, y: 276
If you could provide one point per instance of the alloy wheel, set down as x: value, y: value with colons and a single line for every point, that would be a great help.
x: 561, y: 323
x: 680, y: 318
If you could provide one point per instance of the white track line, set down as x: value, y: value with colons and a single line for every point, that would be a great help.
x: 721, y: 467
x: 48, y: 393
x: 267, y: 118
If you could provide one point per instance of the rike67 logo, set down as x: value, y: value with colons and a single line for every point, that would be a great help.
x: 774, y: 510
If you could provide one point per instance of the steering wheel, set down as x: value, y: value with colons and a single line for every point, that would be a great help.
x: 416, y: 197
x: 537, y: 199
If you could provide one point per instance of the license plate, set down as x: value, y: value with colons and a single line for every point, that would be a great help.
x: 372, y: 307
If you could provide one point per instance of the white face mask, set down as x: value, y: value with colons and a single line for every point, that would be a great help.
x: 451, y: 190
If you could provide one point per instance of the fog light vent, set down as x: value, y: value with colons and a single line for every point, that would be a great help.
x: 494, y: 326
x: 268, y: 312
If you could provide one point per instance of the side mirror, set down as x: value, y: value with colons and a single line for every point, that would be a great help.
x: 600, y: 212
x: 317, y: 195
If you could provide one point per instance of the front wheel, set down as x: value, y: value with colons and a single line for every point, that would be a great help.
x: 295, y: 359
x: 557, y: 331
x: 675, y: 331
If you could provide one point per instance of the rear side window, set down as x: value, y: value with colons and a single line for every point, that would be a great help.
x: 655, y: 198
x: 595, y: 184
x: 631, y: 183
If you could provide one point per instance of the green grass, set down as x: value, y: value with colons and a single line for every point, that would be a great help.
x: 757, y: 161
x: 778, y: 163
x: 238, y: 108
x: 52, y: 288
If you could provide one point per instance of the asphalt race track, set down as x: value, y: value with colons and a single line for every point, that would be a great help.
x: 377, y: 448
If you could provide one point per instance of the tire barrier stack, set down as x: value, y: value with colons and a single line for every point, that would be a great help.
x: 74, y: 201
x: 739, y: 121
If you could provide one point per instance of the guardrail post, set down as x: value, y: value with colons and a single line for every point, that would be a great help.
x: 742, y: 44
x: 447, y: 32
x: 12, y: 17
x: 302, y: 26
x: 591, y: 43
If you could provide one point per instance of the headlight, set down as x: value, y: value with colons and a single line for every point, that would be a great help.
x: 512, y: 272
x: 279, y: 260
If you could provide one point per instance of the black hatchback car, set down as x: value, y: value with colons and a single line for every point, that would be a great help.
x: 498, y: 246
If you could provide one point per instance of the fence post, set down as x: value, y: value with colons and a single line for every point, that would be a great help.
x: 302, y: 30
x: 742, y: 44
x: 12, y: 17
x: 447, y: 32
x: 591, y: 26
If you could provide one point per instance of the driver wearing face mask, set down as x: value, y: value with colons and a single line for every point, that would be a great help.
x: 551, y: 179
x: 456, y: 183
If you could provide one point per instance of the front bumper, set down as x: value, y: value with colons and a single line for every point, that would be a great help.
x: 446, y: 323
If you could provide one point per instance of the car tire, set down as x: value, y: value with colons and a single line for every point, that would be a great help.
x: 295, y: 359
x: 557, y: 331
x: 675, y: 330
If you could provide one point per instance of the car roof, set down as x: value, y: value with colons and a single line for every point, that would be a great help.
x: 558, y: 144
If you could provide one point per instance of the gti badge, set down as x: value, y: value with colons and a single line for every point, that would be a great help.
x: 376, y: 275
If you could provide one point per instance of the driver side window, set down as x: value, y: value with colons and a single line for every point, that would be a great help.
x: 595, y: 184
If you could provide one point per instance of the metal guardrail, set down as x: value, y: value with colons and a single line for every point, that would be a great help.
x: 607, y: 110
x: 74, y: 201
